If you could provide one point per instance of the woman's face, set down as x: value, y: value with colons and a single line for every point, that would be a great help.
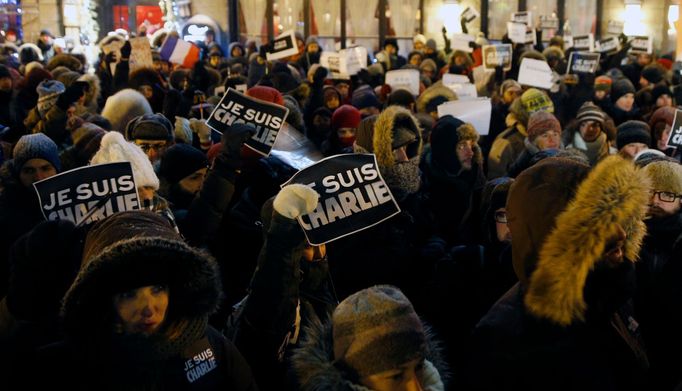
x: 142, y: 310
x: 549, y: 139
x: 626, y: 101
x: 404, y: 378
x: 662, y: 142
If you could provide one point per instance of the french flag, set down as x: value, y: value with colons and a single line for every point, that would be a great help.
x: 178, y: 51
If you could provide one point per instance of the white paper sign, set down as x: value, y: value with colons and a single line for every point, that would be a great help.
x: 608, y: 45
x: 470, y: 14
x: 642, y: 44
x: 464, y: 91
x: 461, y: 42
x: 535, y: 73
x: 283, y: 46
x: 476, y: 112
x: 404, y: 78
x: 568, y: 41
x: 355, y: 59
x: 615, y: 27
x: 549, y: 22
x: 584, y: 42
x: 524, y: 17
x: 451, y: 78
x: 517, y: 32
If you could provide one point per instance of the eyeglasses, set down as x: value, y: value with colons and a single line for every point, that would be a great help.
x: 148, y: 147
x: 501, y: 217
x: 666, y: 196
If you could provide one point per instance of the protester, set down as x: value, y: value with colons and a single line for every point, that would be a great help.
x: 632, y: 138
x: 588, y: 134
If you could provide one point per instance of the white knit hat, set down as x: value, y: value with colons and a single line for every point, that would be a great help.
x: 114, y: 148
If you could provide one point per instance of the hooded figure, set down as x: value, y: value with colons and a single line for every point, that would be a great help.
x: 137, y: 314
x: 433, y: 96
x: 453, y: 168
x: 123, y: 106
x: 567, y: 323
x: 374, y: 340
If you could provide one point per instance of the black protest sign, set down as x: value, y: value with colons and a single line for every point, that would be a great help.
x: 497, y: 55
x: 641, y: 45
x: 283, y: 46
x: 582, y: 62
x: 469, y: 14
x: 353, y: 197
x: 87, y: 194
x: 266, y: 117
x: 675, y: 138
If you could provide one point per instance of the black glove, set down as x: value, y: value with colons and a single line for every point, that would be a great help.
x: 125, y: 50
x: 110, y: 58
x: 228, y: 161
x: 320, y: 74
x: 72, y: 94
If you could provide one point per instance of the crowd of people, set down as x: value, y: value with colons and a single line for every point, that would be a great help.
x: 543, y: 255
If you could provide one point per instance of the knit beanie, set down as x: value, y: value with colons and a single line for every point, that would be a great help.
x: 150, y: 127
x: 346, y: 116
x: 541, y: 122
x: 431, y: 43
x: 632, y: 132
x: 419, y: 38
x: 86, y: 141
x: 180, y: 161
x: 375, y: 330
x: 665, y: 176
x: 602, y: 83
x: 662, y: 115
x: 48, y: 92
x: 621, y: 87
x: 35, y: 146
x: 534, y: 100
x: 660, y: 90
x: 428, y: 64
x: 114, y: 148
x: 267, y: 94
x: 590, y: 112
x: 364, y: 97
x: 401, y: 97
x: 652, y: 73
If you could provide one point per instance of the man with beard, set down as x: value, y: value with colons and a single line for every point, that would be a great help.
x: 657, y: 308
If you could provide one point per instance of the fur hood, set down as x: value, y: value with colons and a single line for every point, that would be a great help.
x: 123, y: 106
x: 314, y: 369
x: 133, y: 249
x: 436, y: 90
x: 382, y: 139
x: 65, y: 60
x: 614, y: 193
x: 92, y: 96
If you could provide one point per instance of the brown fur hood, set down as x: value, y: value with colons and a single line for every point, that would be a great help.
x: 382, y: 140
x: 437, y: 89
x: 614, y: 193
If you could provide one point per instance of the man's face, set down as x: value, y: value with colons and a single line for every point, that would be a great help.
x: 154, y: 149
x: 626, y: 101
x: 46, y: 39
x: 549, y: 139
x: 419, y: 46
x: 36, y: 170
x: 192, y: 183
x: 631, y: 150
x: 313, y: 47
x: 662, y: 204
x: 343, y: 88
x: 599, y: 94
x: 590, y: 130
x: 664, y: 100
x: 465, y: 153
x: 644, y: 59
x: 390, y: 49
x: 5, y: 84
x: 643, y: 82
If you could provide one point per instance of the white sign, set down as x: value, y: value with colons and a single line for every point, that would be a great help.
x: 464, y: 91
x: 355, y: 59
x: 536, y: 73
x: 283, y: 46
x: 517, y: 32
x: 641, y: 44
x: 451, y: 78
x: 461, y: 42
x: 549, y: 22
x: 615, y: 27
x: 335, y: 63
x: 584, y: 42
x: 524, y: 17
x: 404, y: 78
x: 470, y: 14
x: 476, y: 112
x: 608, y: 45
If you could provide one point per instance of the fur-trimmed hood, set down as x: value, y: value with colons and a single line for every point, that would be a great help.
x: 436, y: 90
x: 123, y: 106
x: 382, y: 140
x: 94, y: 90
x: 133, y: 249
x: 615, y: 193
x: 314, y: 367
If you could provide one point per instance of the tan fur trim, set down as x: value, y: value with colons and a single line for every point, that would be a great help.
x: 437, y: 89
x: 383, y: 133
x: 615, y: 192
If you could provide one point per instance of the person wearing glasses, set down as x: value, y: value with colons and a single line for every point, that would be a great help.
x: 153, y: 133
x: 658, y: 301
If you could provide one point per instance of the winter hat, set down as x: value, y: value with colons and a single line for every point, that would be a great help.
x: 534, y: 100
x: 428, y: 64
x: 123, y: 106
x: 431, y: 43
x: 401, y: 97
x: 35, y: 146
x: 375, y: 330
x: 419, y: 38
x: 394, y: 128
x: 665, y: 176
x: 310, y: 39
x: 434, y: 96
x: 590, y: 112
x: 65, y: 60
x: 660, y: 90
x: 652, y: 73
x: 364, y: 135
x: 114, y: 148
x: 180, y: 161
x: 346, y: 116
x: 150, y: 127
x: 445, y: 135
x: 267, y: 94
x: 48, y: 92
x: 329, y: 91
x: 602, y: 83
x: 509, y: 83
x: 67, y: 78
x: 364, y: 97
x: 87, y: 140
x: 621, y: 87
x: 633, y: 132
x: 541, y: 122
x: 661, y: 117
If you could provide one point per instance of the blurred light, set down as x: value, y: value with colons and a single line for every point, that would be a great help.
x: 673, y: 16
x: 633, y: 20
x: 449, y: 14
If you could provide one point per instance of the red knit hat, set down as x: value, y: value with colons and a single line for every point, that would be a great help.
x: 267, y: 94
x: 346, y: 116
x: 541, y: 122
